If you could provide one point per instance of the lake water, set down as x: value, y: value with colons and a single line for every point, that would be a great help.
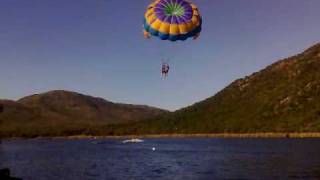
x: 173, y: 158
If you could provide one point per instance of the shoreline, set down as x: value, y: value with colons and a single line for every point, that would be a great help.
x: 213, y: 135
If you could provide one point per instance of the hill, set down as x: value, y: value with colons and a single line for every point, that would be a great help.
x: 59, y: 113
x: 283, y: 97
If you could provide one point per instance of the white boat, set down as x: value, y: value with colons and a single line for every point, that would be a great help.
x: 132, y: 141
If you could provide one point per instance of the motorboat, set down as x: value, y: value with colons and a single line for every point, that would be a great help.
x: 133, y: 141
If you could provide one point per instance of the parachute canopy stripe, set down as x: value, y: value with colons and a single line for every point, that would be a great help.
x: 171, y: 37
x: 172, y: 20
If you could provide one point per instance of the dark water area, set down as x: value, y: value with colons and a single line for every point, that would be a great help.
x: 173, y: 158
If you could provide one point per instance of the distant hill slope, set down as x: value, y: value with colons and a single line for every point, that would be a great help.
x: 284, y: 97
x: 76, y: 106
x: 62, y: 112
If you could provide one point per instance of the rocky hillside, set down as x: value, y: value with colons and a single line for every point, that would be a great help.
x: 283, y: 97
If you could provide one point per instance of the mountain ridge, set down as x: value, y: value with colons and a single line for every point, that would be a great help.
x: 61, y: 112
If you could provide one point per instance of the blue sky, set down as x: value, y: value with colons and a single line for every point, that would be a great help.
x: 96, y: 47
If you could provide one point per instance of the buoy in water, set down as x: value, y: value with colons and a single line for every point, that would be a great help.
x: 153, y: 149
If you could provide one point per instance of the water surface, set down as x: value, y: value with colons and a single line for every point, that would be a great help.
x: 173, y: 158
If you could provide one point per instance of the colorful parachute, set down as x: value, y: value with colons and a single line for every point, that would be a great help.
x: 172, y: 20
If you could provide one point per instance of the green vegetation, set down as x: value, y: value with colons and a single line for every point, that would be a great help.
x: 284, y: 97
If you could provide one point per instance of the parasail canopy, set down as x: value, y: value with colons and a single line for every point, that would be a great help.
x: 172, y: 20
